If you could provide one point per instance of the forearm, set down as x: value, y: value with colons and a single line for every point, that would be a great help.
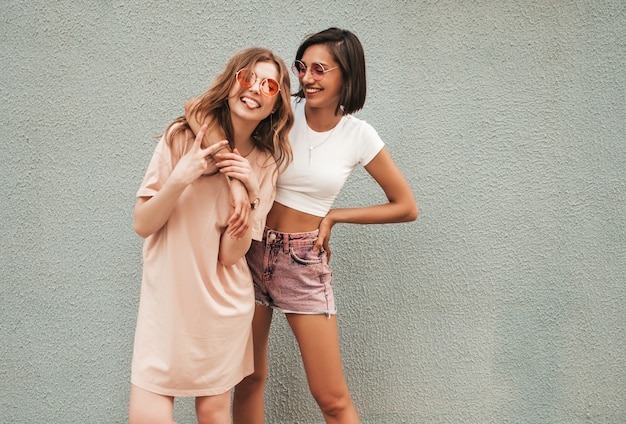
x: 400, y: 206
x: 151, y: 213
x: 232, y: 249
x: 235, y: 184
x: 195, y: 125
x: 392, y: 212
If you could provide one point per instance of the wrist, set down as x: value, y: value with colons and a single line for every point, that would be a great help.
x: 329, y: 219
x: 252, y: 194
x: 175, y: 183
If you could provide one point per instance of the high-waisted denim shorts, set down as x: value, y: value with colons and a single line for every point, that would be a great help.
x: 289, y: 275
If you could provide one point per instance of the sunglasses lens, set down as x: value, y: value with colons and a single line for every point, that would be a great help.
x: 270, y: 87
x: 318, y: 71
x: 245, y: 77
x: 298, y: 68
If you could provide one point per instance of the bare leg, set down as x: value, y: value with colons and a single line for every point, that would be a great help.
x: 319, y: 345
x: 149, y: 408
x: 213, y: 409
x: 248, y: 403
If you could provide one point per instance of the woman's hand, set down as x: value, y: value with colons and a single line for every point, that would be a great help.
x: 237, y: 167
x: 323, y: 237
x: 195, y: 162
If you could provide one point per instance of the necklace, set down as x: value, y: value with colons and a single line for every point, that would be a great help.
x: 251, y: 150
x: 312, y: 147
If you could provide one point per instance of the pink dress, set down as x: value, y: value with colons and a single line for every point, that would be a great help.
x: 193, y: 335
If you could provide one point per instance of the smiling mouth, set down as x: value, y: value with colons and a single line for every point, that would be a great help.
x: 312, y: 90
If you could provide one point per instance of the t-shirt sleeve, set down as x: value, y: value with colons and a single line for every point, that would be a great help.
x: 159, y: 169
x: 370, y: 144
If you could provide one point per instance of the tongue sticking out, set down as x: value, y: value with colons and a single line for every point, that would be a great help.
x: 251, y: 103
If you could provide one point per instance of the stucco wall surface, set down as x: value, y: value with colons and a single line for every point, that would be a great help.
x: 503, y: 303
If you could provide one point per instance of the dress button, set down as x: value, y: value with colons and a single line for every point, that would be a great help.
x: 272, y: 236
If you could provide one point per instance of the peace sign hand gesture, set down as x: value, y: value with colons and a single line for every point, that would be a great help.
x: 194, y: 163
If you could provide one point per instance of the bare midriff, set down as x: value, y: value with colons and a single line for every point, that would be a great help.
x: 286, y: 220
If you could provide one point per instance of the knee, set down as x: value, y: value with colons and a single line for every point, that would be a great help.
x: 333, y: 404
x: 213, y: 409
x: 252, y: 383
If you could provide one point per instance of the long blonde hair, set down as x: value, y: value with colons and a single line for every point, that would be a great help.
x: 271, y: 134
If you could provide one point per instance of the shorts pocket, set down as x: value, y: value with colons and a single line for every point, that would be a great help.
x: 306, y: 255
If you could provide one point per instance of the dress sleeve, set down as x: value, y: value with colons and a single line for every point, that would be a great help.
x: 159, y: 169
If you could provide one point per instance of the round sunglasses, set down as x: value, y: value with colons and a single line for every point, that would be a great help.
x: 317, y: 70
x: 247, y: 78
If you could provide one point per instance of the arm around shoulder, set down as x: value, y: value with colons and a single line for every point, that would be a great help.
x: 192, y: 120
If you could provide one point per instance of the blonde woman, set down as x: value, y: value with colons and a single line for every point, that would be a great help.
x: 193, y: 335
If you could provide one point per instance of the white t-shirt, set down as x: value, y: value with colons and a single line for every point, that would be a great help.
x: 322, y: 162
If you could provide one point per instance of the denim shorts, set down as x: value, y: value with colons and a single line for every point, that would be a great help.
x: 289, y: 275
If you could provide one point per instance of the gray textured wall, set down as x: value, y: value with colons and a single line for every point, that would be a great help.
x: 504, y: 302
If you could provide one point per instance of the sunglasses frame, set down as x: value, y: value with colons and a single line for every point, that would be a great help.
x: 315, y: 74
x: 263, y: 85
